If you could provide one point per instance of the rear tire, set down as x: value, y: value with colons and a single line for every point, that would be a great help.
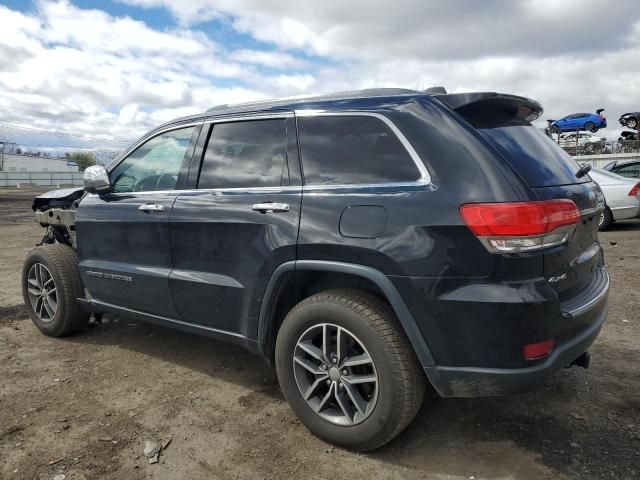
x: 606, y: 219
x: 591, y: 127
x: 632, y: 123
x: 51, y: 285
x: 331, y: 411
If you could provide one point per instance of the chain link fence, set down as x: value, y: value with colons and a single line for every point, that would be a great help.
x: 603, y: 148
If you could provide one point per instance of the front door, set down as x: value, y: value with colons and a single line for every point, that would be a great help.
x: 230, y: 233
x: 123, y: 236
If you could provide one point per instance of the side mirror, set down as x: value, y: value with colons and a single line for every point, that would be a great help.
x: 96, y: 179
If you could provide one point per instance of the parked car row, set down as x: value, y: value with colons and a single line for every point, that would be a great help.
x: 585, y: 143
x: 581, y: 123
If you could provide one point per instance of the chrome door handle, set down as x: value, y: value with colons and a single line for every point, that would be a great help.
x: 151, y: 207
x: 269, y: 207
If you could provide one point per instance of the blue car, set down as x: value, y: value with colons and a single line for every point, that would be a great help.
x: 591, y: 122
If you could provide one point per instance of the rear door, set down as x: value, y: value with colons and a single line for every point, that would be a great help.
x: 123, y: 236
x: 238, y: 223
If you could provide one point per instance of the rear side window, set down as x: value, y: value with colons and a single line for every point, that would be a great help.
x: 347, y: 150
x: 536, y: 157
x: 246, y: 155
x: 631, y: 171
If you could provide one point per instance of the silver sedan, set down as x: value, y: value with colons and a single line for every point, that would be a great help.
x: 622, y: 196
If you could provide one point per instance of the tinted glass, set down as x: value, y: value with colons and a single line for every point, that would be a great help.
x: 352, y: 150
x: 246, y: 154
x: 536, y: 157
x: 630, y: 171
x: 154, y: 165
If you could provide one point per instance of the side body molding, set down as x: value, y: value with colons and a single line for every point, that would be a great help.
x: 380, y: 279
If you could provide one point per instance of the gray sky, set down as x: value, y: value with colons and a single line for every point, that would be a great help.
x: 112, y: 73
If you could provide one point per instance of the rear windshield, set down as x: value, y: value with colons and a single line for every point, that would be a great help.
x: 537, y: 158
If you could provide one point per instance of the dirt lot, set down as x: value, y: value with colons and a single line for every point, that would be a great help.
x: 83, y: 406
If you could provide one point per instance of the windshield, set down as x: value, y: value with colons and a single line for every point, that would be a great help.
x: 536, y: 157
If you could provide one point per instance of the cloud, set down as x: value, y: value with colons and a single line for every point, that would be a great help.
x: 570, y: 55
x: 271, y: 59
x: 86, y: 71
x: 420, y: 29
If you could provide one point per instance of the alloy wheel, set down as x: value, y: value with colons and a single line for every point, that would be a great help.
x: 335, y: 374
x: 42, y: 292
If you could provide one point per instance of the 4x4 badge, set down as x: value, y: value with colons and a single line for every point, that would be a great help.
x: 557, y: 278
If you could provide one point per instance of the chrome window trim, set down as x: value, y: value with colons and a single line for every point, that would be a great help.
x: 288, y: 188
x: 424, y: 178
x: 261, y: 116
x: 233, y: 118
x: 284, y: 188
x: 145, y: 139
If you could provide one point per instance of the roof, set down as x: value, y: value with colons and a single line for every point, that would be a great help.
x: 374, y: 98
x: 290, y: 102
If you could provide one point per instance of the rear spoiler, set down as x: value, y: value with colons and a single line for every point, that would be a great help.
x: 490, y: 109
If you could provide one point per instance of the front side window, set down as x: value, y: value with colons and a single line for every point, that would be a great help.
x: 154, y: 165
x: 246, y: 154
x: 358, y: 149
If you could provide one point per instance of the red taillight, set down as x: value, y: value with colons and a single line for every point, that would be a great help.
x: 536, y: 351
x: 519, y: 218
x: 635, y: 190
x: 600, y: 117
x: 521, y: 226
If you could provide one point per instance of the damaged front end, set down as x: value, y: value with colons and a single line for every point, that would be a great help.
x: 56, y: 211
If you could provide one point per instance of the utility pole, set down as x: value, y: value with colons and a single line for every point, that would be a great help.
x: 4, y: 139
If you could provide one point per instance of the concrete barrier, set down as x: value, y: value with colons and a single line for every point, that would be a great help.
x: 54, y: 179
x: 602, y: 159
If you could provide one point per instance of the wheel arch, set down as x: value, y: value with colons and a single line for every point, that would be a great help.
x: 284, y: 274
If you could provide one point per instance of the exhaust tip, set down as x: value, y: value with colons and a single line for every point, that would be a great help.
x: 582, y: 361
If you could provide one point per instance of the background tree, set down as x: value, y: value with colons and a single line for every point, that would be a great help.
x: 83, y: 159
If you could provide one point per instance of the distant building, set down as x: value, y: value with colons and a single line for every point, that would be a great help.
x: 27, y: 163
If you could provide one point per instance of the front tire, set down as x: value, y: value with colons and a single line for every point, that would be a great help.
x: 347, y: 370
x: 50, y: 286
x: 632, y: 123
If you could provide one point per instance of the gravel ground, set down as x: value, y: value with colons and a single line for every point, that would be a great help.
x: 84, y: 406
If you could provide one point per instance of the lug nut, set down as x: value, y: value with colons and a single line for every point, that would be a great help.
x: 323, y: 367
x: 334, y: 360
x: 344, y: 372
x: 341, y: 385
x: 328, y: 382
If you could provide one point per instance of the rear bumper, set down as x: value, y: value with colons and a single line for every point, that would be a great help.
x: 484, y: 381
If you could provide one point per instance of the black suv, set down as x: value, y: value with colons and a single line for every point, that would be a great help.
x: 364, y: 243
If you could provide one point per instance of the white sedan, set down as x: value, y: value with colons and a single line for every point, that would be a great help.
x: 621, y: 195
